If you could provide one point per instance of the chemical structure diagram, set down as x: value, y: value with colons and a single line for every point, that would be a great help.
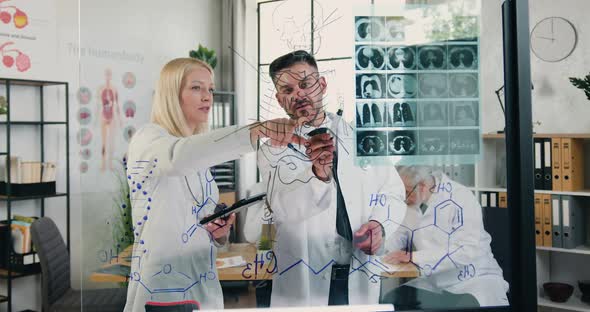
x: 139, y: 175
x: 448, y: 219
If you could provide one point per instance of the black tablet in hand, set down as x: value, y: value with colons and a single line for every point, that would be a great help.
x: 237, y: 206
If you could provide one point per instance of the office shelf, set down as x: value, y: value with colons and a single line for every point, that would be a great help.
x: 582, y: 250
x: 584, y: 193
x: 543, y: 135
x: 35, y: 269
x: 17, y: 198
x: 30, y: 83
x: 18, y: 269
x: 33, y: 123
x: 572, y: 304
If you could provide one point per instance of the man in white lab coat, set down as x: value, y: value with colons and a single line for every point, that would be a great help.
x: 320, y: 260
x: 443, y: 235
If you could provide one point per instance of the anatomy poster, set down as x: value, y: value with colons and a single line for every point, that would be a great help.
x: 107, y: 115
x: 417, y: 88
x: 28, y: 39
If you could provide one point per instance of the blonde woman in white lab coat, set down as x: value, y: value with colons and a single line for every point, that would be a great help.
x: 172, y: 188
x: 452, y: 249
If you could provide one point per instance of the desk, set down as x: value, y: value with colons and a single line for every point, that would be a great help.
x: 248, y: 251
x: 406, y: 270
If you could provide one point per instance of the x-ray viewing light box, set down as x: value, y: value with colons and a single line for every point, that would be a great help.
x: 417, y: 84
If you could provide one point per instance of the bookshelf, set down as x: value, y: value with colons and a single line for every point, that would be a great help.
x: 573, y: 304
x: 582, y: 250
x: 28, y: 264
x: 553, y: 264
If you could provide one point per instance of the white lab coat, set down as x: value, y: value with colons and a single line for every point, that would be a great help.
x: 461, y: 262
x: 304, y: 212
x: 256, y: 215
x: 173, y: 256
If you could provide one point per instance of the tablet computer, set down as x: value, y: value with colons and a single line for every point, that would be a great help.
x: 237, y: 206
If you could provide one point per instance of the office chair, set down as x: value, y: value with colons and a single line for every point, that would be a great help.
x: 57, y: 292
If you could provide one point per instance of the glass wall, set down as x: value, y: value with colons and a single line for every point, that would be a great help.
x: 401, y: 202
x: 417, y: 83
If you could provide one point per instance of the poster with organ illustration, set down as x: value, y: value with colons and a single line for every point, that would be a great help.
x: 28, y: 37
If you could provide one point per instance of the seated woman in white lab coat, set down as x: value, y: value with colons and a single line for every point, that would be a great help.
x: 443, y: 235
x: 172, y: 188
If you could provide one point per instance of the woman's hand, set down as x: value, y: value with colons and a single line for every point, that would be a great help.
x: 220, y: 228
x: 280, y: 131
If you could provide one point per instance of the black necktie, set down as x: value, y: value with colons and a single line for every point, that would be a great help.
x: 342, y: 222
x: 423, y: 207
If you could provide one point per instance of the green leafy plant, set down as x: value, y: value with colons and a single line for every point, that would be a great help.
x: 3, y: 106
x: 266, y: 237
x: 265, y: 244
x: 122, y: 225
x: 205, y: 55
x: 582, y: 83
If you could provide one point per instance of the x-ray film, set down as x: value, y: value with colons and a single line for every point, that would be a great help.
x: 400, y: 58
x: 434, y: 114
x: 370, y: 57
x: 371, y: 114
x: 416, y: 102
x: 463, y: 57
x: 402, y: 143
x: 401, y: 114
x: 369, y: 28
x: 463, y: 85
x: 371, y: 143
x: 433, y: 85
x: 432, y: 57
x: 370, y: 86
x: 402, y: 86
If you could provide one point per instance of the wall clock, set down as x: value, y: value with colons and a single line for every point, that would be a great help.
x: 553, y: 39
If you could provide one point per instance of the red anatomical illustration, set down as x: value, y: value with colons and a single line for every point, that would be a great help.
x: 5, y: 17
x: 7, y: 60
x: 10, y: 12
x: 23, y: 61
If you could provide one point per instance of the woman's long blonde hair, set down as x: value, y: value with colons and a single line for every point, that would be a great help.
x: 166, y: 110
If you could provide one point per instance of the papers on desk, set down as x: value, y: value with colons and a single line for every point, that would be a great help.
x: 390, y: 268
x: 116, y: 269
x: 230, y: 262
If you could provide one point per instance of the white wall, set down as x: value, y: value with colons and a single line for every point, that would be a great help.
x: 557, y: 105
x: 156, y: 31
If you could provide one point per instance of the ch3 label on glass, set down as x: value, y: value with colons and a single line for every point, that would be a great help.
x: 263, y: 264
x: 467, y: 273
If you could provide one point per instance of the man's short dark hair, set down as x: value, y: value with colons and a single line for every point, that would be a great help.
x: 289, y: 60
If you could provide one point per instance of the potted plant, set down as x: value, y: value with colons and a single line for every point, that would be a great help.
x: 582, y: 83
x: 266, y: 239
x: 122, y: 226
x: 3, y: 108
x: 205, y: 55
